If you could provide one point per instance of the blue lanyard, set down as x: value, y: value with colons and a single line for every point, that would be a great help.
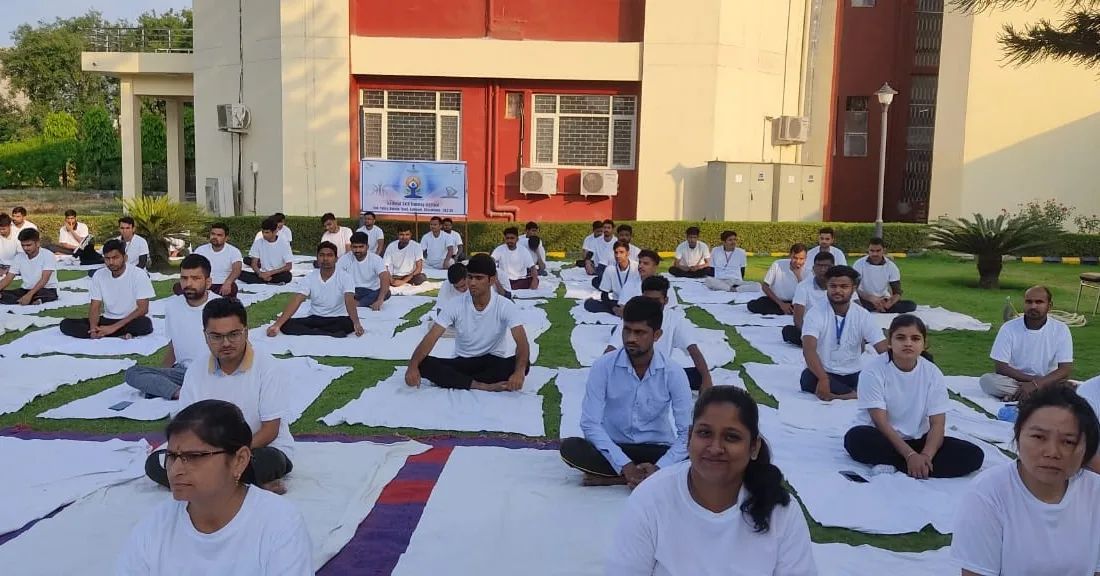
x: 839, y: 327
x: 622, y: 281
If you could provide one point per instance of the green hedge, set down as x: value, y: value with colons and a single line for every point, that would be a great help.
x: 35, y: 162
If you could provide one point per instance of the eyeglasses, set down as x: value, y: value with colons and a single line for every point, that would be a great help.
x: 234, y: 337
x: 168, y: 458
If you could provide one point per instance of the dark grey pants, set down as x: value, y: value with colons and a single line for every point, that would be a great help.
x: 581, y: 454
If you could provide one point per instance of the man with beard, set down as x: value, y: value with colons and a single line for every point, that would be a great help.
x: 780, y: 283
x: 629, y: 396
x: 367, y: 272
x: 183, y: 324
x: 225, y: 261
x: 880, y: 282
x: 375, y: 236
x: 405, y: 259
x: 515, y: 264
x: 1030, y: 351
x: 332, y: 306
x: 36, y: 266
x: 121, y: 293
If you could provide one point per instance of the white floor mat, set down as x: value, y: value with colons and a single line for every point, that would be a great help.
x: 582, y: 316
x: 20, y: 322
x: 157, y: 307
x: 392, y: 404
x: 378, y: 333
x: 52, y: 341
x: 401, y: 347
x: 548, y: 287
x: 968, y: 387
x: 845, y: 560
x: 937, y: 319
x: 410, y: 290
x: 435, y: 273
x: 42, y: 475
x: 335, y: 485
x: 739, y: 315
x: 580, y: 290
x: 28, y: 378
x: 84, y: 283
x: 65, y: 299
x: 696, y: 293
x: 575, y: 274
x: 268, y: 289
x: 769, y: 341
x: 590, y: 340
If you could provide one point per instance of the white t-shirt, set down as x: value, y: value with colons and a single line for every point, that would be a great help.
x: 728, y: 265
x: 616, y: 281
x: 260, y: 392
x: 689, y: 256
x: 604, y: 253
x: 633, y: 289
x: 31, y: 269
x: 221, y: 262
x: 589, y: 244
x: 9, y: 247
x: 272, y: 255
x: 374, y: 236
x: 456, y: 237
x: 1035, y: 352
x: 664, y: 532
x: 512, y: 264
x: 365, y: 273
x: 436, y: 247
x: 839, y: 259
x: 135, y: 249
x: 536, y: 255
x: 782, y: 280
x: 909, y: 398
x: 808, y: 294
x: 876, y: 279
x: 480, y: 333
x: 284, y: 234
x: 341, y: 238
x: 120, y: 295
x: 1090, y: 391
x: 1002, y: 529
x: 841, y: 355
x: 326, y: 298
x: 66, y: 237
x: 183, y: 324
x: 402, y: 261
x: 26, y: 224
x: 676, y: 333
x: 267, y: 536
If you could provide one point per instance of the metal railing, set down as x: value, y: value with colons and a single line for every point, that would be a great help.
x: 167, y: 40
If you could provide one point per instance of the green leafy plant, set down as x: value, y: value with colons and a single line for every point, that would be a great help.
x: 990, y: 239
x: 161, y: 221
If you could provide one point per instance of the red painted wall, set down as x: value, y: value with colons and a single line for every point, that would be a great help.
x: 568, y: 20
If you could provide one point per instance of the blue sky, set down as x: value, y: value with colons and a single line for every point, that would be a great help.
x: 16, y: 12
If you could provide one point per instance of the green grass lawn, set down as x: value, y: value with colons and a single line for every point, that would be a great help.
x: 937, y: 280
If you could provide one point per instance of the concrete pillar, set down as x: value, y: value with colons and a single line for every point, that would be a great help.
x: 174, y: 130
x: 130, y: 122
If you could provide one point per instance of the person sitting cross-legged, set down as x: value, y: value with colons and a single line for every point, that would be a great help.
x: 904, y: 403
x: 625, y: 416
x: 375, y: 235
x: 514, y: 264
x: 19, y: 220
x: 270, y: 257
x: 649, y: 262
x: 780, y: 283
x: 1031, y: 351
x: 692, y: 257
x: 121, y: 293
x: 75, y: 239
x: 367, y: 271
x: 332, y: 306
x: 183, y: 324
x: 340, y: 236
x: 282, y: 231
x: 588, y: 248
x: 137, y: 248
x: 460, y: 249
x: 225, y: 261
x: 825, y: 238
x: 880, y: 282
x: 624, y: 234
x: 536, y: 246
x: 405, y: 259
x: 484, y: 324
x: 9, y: 242
x: 38, y: 269
x: 617, y: 280
x: 603, y: 254
x: 833, y: 338
x: 439, y: 247
x: 809, y: 292
x: 728, y: 263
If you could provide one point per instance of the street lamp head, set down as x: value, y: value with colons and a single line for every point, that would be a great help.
x: 885, y: 94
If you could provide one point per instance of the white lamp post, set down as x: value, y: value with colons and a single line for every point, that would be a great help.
x: 885, y: 97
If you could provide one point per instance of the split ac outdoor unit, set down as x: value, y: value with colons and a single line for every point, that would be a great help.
x: 234, y: 118
x: 599, y: 183
x: 792, y: 129
x: 538, y: 181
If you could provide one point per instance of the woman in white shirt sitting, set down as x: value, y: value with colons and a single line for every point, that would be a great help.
x: 217, y: 523
x: 722, y: 511
x: 904, y: 405
x: 1037, y: 516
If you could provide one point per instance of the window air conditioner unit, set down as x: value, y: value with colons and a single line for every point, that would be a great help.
x: 538, y: 181
x: 599, y: 183
x: 793, y: 129
x: 234, y: 118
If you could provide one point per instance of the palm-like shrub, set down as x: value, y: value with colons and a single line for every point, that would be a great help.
x: 160, y: 220
x: 989, y: 239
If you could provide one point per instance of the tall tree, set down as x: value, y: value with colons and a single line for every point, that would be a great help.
x: 1076, y: 38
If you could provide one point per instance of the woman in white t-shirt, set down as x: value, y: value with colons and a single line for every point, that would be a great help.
x: 1037, y: 516
x: 722, y: 511
x: 217, y: 523
x: 904, y: 403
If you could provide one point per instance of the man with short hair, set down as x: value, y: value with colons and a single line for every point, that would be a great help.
x: 648, y: 264
x: 455, y: 285
x: 19, y: 220
x: 482, y: 322
x: 225, y: 261
x: 460, y: 249
x: 810, y: 292
x: 9, y: 242
x: 880, y: 282
x: 137, y: 249
x: 604, y: 253
x: 183, y: 324
x: 1030, y: 351
x: 367, y: 271
x: 374, y: 233
x: 38, y: 269
x: 121, y: 293
x: 332, y: 305
x: 270, y: 257
x: 692, y: 257
x: 404, y: 259
x: 588, y: 248
x: 282, y: 230
x: 616, y: 280
x: 728, y: 263
x: 514, y: 263
x: 535, y: 245
x: 339, y: 236
x: 780, y: 283
x: 74, y: 239
x: 624, y: 234
x: 825, y: 238
x: 833, y: 339
x: 629, y: 398
x: 438, y: 246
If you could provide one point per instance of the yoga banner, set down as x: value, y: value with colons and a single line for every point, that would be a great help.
x: 402, y: 187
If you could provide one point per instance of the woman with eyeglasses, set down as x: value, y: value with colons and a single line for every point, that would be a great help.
x: 249, y: 379
x: 217, y: 523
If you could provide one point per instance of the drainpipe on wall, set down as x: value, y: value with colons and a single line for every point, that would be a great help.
x: 492, y: 210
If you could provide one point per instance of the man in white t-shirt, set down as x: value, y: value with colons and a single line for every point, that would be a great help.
x: 332, y: 306
x: 137, y: 249
x: 692, y: 257
x: 120, y: 297
x: 367, y: 271
x: 74, y: 239
x: 780, y: 283
x: 38, y: 269
x: 833, y: 339
x: 282, y: 230
x: 880, y: 282
x: 535, y: 245
x: 460, y: 249
x: 648, y: 264
x: 603, y: 253
x: 19, y: 219
x: 728, y: 263
x: 624, y: 234
x: 270, y: 257
x: 405, y: 259
x: 1031, y: 351
x: 375, y: 235
x: 438, y: 246
x: 809, y: 292
x: 514, y: 264
x: 825, y: 239
x: 9, y: 242
x: 225, y: 261
x: 339, y: 236
x: 183, y: 324
x: 485, y: 326
x: 588, y: 248
x: 1090, y: 391
x: 616, y: 280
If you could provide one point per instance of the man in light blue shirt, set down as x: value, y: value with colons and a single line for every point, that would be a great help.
x: 628, y: 431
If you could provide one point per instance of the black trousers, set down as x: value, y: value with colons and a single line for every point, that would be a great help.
x: 681, y: 273
x: 955, y: 458
x: 765, y: 305
x: 792, y: 335
x: 414, y: 279
x: 599, y: 276
x: 838, y: 383
x: 695, y: 378
x: 268, y: 464
x: 249, y: 277
x: 13, y: 296
x: 597, y: 306
x: 215, y: 288
x: 521, y: 284
x: 336, y: 326
x: 581, y: 454
x: 80, y: 327
x: 88, y: 255
x: 899, y: 307
x: 461, y: 372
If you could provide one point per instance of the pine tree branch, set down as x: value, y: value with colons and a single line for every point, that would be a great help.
x: 979, y: 6
x: 1076, y: 40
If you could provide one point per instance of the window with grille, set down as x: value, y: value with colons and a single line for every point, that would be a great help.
x: 929, y: 33
x: 855, y: 126
x: 863, y: 3
x: 410, y: 124
x: 919, y: 140
x: 584, y: 131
